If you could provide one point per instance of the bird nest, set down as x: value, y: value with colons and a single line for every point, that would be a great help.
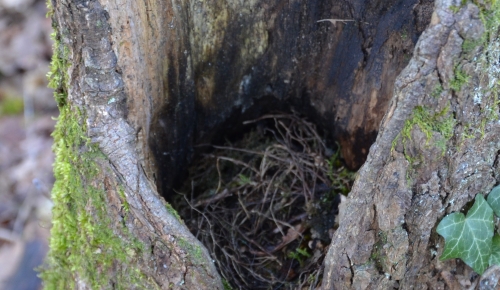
x: 265, y: 206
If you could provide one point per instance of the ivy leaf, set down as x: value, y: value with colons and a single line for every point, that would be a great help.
x: 469, y: 238
x: 495, y: 251
x: 494, y: 200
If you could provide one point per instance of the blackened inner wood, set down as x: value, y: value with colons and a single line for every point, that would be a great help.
x: 340, y: 76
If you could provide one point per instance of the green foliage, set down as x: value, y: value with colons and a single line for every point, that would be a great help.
x: 338, y: 179
x: 299, y: 255
x: 470, y: 237
x: 494, y: 200
x: 244, y: 180
x: 485, y: 94
x: 495, y: 251
x: 226, y: 285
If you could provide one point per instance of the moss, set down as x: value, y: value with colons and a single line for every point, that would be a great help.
x: 377, y: 256
x: 455, y: 8
x: 193, y: 250
x: 173, y: 212
x: 83, y: 246
x: 441, y: 122
x: 58, y: 73
x: 50, y: 8
x: 338, y: 178
x: 123, y: 199
x: 404, y: 34
x: 469, y: 45
x: 226, y: 285
x: 461, y: 78
x: 437, y: 91
x: 82, y: 243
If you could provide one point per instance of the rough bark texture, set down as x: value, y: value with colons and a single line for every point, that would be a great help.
x: 387, y: 233
x: 168, y: 256
x: 150, y: 79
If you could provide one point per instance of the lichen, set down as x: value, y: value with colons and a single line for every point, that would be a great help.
x: 488, y: 65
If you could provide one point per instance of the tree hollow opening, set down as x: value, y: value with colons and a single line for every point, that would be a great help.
x: 265, y: 201
x: 332, y: 63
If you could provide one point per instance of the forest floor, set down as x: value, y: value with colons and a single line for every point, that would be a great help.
x: 27, y: 111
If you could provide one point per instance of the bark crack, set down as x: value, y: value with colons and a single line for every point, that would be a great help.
x: 350, y: 268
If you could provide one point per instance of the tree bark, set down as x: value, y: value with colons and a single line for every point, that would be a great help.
x: 145, y: 81
x: 412, y: 179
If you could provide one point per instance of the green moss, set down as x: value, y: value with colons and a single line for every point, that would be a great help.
x: 441, y: 122
x: 58, y: 73
x: 193, y: 250
x: 83, y: 246
x: 377, y: 256
x: 467, y: 132
x: 50, y: 8
x: 338, y: 178
x: 226, y: 285
x: 437, y: 91
x: 173, y: 212
x: 469, y: 45
x: 461, y: 78
x: 455, y: 8
x: 11, y: 106
x: 82, y: 243
x: 123, y: 199
x: 404, y: 34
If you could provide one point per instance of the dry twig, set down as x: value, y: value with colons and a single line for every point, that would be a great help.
x: 245, y: 198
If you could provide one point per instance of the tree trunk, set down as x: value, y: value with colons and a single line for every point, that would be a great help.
x: 139, y: 83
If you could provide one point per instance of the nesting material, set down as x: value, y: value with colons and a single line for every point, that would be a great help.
x: 265, y: 206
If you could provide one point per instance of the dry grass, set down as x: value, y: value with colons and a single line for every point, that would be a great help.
x: 265, y: 206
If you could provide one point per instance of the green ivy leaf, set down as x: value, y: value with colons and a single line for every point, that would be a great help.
x: 495, y: 251
x: 494, y: 200
x: 469, y: 238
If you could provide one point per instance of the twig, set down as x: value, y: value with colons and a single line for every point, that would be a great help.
x: 334, y: 21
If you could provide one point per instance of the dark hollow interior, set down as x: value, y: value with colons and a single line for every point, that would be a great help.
x: 340, y: 77
x: 233, y: 129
